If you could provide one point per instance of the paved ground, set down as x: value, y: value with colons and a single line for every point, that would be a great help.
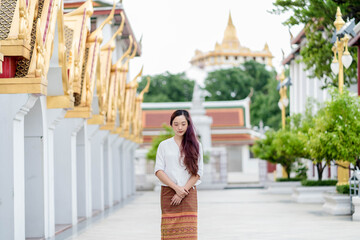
x: 231, y: 215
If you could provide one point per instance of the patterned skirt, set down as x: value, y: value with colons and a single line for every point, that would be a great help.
x: 178, y: 222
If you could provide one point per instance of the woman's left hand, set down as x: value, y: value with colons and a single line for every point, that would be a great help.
x: 176, y: 200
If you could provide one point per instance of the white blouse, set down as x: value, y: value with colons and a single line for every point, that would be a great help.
x: 168, y: 160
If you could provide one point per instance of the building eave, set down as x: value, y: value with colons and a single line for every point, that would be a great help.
x: 187, y: 105
x: 355, y: 41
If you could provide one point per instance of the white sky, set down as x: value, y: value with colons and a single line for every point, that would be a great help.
x: 173, y: 30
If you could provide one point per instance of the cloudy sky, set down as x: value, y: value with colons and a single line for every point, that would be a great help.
x: 173, y: 30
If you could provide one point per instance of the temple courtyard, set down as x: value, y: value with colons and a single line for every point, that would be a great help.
x: 223, y: 214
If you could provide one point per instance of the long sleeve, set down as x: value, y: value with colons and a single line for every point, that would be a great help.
x: 160, y: 161
x: 201, y: 161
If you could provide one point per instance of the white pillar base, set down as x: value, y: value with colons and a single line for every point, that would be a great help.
x: 356, y: 203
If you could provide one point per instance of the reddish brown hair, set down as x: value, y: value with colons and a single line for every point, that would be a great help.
x: 189, y: 144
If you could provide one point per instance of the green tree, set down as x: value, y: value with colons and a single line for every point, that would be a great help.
x: 228, y: 84
x: 281, y: 147
x: 288, y: 147
x: 264, y: 106
x: 318, y: 17
x: 236, y: 83
x: 302, y: 125
x: 167, y: 133
x: 336, y: 134
x: 168, y: 87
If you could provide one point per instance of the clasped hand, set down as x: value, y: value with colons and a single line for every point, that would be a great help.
x: 181, y: 192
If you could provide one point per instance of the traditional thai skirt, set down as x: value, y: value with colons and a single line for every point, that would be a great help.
x: 178, y: 222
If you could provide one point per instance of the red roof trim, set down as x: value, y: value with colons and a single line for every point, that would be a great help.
x: 355, y: 41
x: 106, y: 12
x: 298, y: 37
x: 291, y: 56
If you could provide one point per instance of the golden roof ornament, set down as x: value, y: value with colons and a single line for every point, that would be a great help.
x: 230, y: 40
x: 98, y: 32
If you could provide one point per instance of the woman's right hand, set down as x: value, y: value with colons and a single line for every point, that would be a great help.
x: 181, y: 191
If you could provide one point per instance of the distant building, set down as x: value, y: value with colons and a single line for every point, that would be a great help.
x: 230, y: 53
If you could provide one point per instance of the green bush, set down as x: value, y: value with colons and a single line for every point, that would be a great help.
x: 296, y: 179
x: 343, y: 189
x: 314, y: 183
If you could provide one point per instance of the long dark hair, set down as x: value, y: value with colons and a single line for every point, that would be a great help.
x: 189, y: 144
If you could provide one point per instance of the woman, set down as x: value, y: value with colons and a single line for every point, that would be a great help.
x: 179, y: 166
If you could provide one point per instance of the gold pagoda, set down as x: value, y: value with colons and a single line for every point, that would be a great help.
x: 230, y: 53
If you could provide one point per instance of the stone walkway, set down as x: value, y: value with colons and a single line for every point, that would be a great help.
x: 231, y: 215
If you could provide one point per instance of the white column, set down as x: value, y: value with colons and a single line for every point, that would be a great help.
x: 108, y: 171
x: 12, y: 182
x: 115, y: 148
x: 333, y: 171
x: 310, y: 170
x: 36, y: 171
x: 133, y: 177
x: 121, y: 165
x: 301, y: 87
x: 325, y: 172
x: 315, y: 96
x: 83, y: 160
x: 124, y: 168
x: 292, y: 92
x: 65, y: 170
x: 54, y: 116
x: 98, y: 139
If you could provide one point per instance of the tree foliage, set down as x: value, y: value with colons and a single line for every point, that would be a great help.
x: 168, y: 87
x: 167, y: 133
x: 336, y: 134
x: 236, y: 83
x: 302, y: 124
x: 281, y: 147
x: 318, y: 17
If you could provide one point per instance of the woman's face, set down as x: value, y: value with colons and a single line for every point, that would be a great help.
x: 180, y: 125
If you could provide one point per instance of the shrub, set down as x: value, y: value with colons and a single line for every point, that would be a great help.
x: 343, y: 189
x: 296, y: 179
x: 313, y: 183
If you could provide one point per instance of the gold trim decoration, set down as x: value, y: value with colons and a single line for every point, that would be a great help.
x: 113, y: 90
x: 79, y: 112
x: 96, y: 119
x: 129, y: 110
x: 105, y: 64
x: 76, y: 32
x: 63, y: 101
x: 23, y: 85
x: 138, y: 119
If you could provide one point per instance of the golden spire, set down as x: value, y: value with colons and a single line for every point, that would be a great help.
x: 266, y: 48
x: 230, y: 40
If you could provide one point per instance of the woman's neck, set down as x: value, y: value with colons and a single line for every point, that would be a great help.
x: 178, y: 138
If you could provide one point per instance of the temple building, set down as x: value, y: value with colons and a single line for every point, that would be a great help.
x: 230, y: 53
